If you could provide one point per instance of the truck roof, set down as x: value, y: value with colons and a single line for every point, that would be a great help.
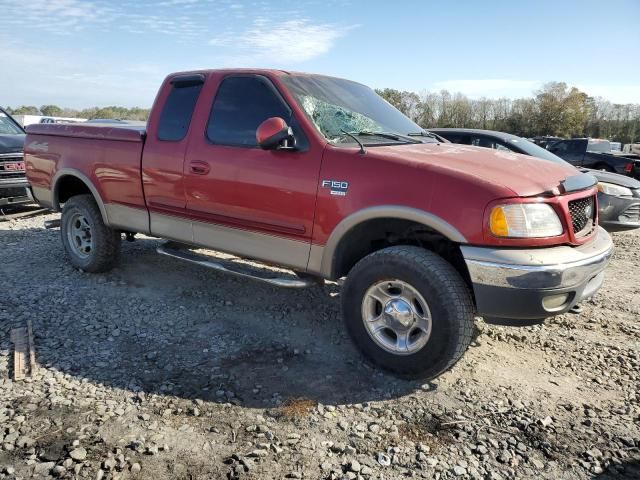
x: 272, y: 71
x: 256, y: 71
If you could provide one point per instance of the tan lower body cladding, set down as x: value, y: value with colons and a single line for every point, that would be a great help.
x: 244, y: 243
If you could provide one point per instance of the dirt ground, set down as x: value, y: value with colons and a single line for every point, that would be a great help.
x: 165, y: 370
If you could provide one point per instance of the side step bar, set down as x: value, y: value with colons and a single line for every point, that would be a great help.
x: 173, y: 250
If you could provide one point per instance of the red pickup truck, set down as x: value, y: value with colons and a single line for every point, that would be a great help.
x: 322, y: 176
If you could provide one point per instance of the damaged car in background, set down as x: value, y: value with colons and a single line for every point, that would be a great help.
x: 618, y: 195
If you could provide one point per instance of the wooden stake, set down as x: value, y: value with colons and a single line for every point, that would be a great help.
x: 24, y: 355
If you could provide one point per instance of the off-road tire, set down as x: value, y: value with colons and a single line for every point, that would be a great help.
x: 446, y: 293
x: 106, y: 241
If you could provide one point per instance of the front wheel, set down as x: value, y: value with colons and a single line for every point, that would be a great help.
x: 89, y: 244
x: 408, y: 310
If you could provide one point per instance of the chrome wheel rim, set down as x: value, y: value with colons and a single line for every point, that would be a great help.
x: 79, y: 235
x: 396, y: 317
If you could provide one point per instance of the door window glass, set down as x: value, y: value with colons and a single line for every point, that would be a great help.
x: 241, y: 105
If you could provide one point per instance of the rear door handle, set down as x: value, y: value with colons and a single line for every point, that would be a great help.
x: 198, y: 167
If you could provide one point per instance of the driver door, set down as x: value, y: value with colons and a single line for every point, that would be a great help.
x: 245, y: 200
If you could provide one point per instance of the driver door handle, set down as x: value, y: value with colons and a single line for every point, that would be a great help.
x: 198, y: 167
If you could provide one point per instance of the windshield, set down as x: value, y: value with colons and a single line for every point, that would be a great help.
x: 602, y: 146
x: 534, y: 150
x: 8, y: 126
x: 336, y: 106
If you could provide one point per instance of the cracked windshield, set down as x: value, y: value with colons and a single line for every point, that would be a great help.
x: 340, y: 107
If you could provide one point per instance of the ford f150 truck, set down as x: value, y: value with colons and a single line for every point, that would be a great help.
x: 321, y: 176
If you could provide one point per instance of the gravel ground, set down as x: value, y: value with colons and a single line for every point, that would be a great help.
x: 161, y: 369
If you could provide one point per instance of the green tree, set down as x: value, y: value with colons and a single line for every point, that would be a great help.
x: 561, y: 110
x: 407, y: 102
x: 26, y: 110
x: 51, y: 110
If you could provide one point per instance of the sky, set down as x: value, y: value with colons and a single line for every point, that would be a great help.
x: 79, y: 54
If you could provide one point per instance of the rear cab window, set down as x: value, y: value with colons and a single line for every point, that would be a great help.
x: 599, y: 146
x: 176, y: 114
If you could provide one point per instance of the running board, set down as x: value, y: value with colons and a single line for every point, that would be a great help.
x: 204, y: 261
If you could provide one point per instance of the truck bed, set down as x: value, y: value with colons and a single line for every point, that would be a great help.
x: 124, y: 133
x: 108, y: 157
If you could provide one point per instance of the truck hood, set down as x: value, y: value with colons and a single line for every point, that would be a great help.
x: 525, y: 176
x: 11, y: 143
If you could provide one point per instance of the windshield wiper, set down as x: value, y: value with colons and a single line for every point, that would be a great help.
x: 423, y: 133
x: 389, y: 135
x: 362, y: 150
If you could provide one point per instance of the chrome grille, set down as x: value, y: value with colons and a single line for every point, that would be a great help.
x: 11, y: 159
x: 583, y: 213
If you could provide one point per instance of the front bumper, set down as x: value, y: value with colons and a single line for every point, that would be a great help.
x: 532, y: 284
x: 13, y: 191
x: 619, y: 213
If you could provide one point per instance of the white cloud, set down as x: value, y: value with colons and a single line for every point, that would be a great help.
x: 288, y: 41
x: 497, y: 87
x: 65, y: 17
x: 613, y: 93
x: 40, y: 76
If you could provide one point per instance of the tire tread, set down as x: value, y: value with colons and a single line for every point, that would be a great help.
x: 447, y: 279
x: 108, y: 241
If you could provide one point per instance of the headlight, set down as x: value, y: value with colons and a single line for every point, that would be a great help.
x: 613, y: 189
x: 524, y: 220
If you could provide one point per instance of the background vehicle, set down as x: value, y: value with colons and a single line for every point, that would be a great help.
x: 632, y: 148
x: 596, y: 154
x: 13, y: 181
x: 543, y: 141
x: 25, y: 120
x: 618, y: 195
x: 322, y: 176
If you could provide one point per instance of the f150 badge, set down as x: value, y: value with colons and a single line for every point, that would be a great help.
x: 336, y: 187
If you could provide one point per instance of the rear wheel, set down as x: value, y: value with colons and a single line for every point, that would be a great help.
x: 408, y: 310
x: 88, y: 243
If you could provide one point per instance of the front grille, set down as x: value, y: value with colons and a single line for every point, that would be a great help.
x: 582, y: 213
x: 4, y: 175
x: 7, y: 160
x: 631, y: 214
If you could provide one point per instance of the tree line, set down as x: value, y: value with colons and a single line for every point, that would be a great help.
x: 113, y: 112
x: 555, y: 109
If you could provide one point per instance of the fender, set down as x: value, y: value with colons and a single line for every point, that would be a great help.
x: 72, y: 172
x: 321, y: 257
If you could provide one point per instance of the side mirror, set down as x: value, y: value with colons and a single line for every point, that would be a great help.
x: 275, y: 134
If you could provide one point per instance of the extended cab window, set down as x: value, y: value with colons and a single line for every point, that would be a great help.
x: 241, y: 105
x: 178, y: 109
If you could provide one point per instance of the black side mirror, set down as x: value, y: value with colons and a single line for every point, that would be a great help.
x: 275, y: 134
